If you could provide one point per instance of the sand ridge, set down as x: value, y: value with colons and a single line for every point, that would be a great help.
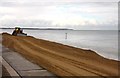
x: 61, y: 59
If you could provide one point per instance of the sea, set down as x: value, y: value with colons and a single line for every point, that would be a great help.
x: 103, y: 42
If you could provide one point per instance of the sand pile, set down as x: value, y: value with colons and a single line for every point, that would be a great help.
x: 60, y: 59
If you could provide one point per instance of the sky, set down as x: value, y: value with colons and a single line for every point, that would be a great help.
x: 73, y: 14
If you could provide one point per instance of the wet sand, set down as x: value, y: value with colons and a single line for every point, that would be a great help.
x: 60, y: 59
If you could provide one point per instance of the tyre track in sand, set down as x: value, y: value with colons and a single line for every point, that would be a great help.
x: 76, y: 62
x: 53, y: 59
x: 68, y: 59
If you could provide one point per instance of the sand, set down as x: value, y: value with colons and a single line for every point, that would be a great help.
x: 62, y: 60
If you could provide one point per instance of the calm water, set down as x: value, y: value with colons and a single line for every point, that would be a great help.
x: 105, y: 43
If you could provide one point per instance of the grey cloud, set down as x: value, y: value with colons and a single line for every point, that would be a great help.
x: 30, y: 3
x: 32, y: 8
x: 48, y: 24
x: 25, y: 23
x: 27, y: 3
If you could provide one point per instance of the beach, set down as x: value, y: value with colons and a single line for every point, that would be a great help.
x: 85, y: 39
x: 62, y: 60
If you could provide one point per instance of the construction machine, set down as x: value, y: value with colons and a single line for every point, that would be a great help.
x: 18, y: 32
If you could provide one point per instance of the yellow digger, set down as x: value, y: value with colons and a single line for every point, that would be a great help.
x: 18, y: 32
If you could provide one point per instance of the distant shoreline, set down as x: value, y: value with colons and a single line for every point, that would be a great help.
x: 41, y: 28
x: 58, y: 29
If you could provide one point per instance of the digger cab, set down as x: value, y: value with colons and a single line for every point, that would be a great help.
x: 18, y: 32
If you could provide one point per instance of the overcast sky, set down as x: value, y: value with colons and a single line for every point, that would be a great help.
x: 76, y: 14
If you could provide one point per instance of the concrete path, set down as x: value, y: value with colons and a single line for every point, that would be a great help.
x: 9, y: 70
x: 22, y: 66
x: 0, y: 57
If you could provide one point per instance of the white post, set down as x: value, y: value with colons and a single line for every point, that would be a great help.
x: 65, y: 35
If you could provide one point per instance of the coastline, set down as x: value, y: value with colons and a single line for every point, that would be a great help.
x: 61, y: 59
